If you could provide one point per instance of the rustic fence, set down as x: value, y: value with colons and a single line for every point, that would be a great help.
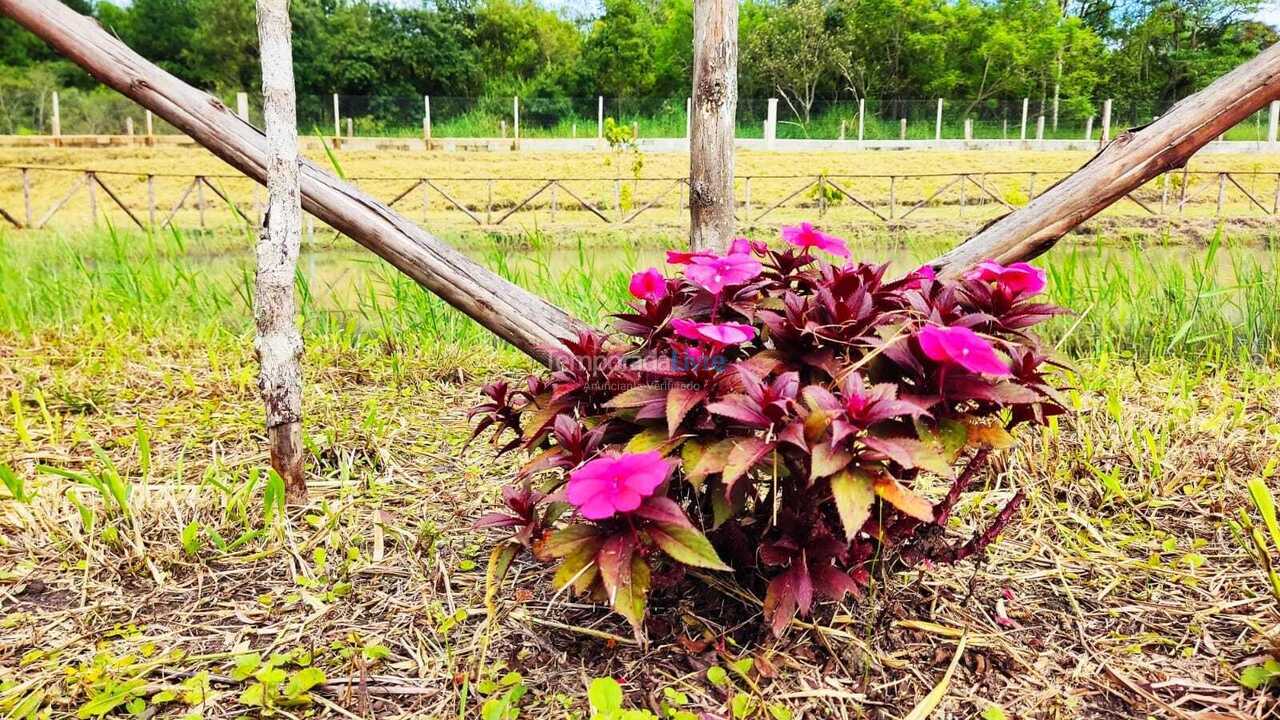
x: 66, y: 198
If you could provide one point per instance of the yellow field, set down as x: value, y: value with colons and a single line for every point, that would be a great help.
x: 924, y: 188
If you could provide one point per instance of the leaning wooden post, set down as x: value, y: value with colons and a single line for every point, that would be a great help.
x: 715, y: 99
x: 1133, y: 159
x: 279, y: 342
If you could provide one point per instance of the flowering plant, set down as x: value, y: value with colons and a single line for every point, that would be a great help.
x: 770, y: 414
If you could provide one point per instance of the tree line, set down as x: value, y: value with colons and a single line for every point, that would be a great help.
x: 979, y: 53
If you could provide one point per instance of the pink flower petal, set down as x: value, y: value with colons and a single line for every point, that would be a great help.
x: 648, y: 285
x: 805, y: 235
x: 961, y: 346
x: 1020, y: 278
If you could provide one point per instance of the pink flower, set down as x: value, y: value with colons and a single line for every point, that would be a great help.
x: 807, y: 236
x: 721, y: 334
x: 714, y: 273
x: 740, y: 246
x: 676, y: 257
x: 649, y: 285
x: 1019, y: 278
x: 612, y: 484
x: 961, y: 346
x: 919, y: 275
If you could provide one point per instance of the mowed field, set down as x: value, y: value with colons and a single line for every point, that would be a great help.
x: 144, y: 572
x: 500, y: 190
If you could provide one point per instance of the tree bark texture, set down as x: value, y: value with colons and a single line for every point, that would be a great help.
x: 715, y: 101
x: 1134, y: 158
x: 521, y: 318
x: 279, y: 342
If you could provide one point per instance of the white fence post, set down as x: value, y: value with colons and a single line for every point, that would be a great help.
x: 1055, y: 107
x: 337, y: 124
x: 771, y: 124
x: 600, y: 117
x: 1023, y: 133
x: 1088, y: 128
x: 151, y: 132
x: 1106, y: 120
x: 426, y: 120
x: 57, y: 116
x: 688, y: 119
x: 128, y: 128
x: 1040, y: 129
x: 937, y: 130
x: 862, y: 111
x: 1274, y: 127
x: 968, y: 128
x: 515, y: 121
x: 902, y: 129
x: 242, y: 106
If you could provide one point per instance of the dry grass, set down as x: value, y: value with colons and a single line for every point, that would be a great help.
x: 607, y: 183
x: 1121, y: 593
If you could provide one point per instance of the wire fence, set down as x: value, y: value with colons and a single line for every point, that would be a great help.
x: 67, y: 199
x: 32, y: 111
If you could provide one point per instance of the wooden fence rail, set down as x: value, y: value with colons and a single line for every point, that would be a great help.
x: 877, y: 199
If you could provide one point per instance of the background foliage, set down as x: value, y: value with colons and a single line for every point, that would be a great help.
x: 1144, y: 53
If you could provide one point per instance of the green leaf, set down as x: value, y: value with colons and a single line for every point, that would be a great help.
x: 993, y: 712
x: 740, y: 705
x: 135, y: 706
x: 717, y: 675
x: 745, y: 454
x: 636, y: 397
x: 778, y: 711
x: 708, y: 460
x: 1254, y: 677
x: 254, y: 695
x: 566, y: 540
x: 631, y: 598
x: 109, y: 699
x: 302, y: 681
x: 680, y: 400
x: 605, y: 696
x: 854, y: 493
x: 826, y: 460
x: 245, y: 665
x: 903, y: 499
x: 1262, y: 499
x: 191, y: 538
x: 687, y: 545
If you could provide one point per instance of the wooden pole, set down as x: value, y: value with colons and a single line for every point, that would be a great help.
x: 151, y: 130
x: 279, y: 341
x: 902, y: 129
x: 26, y: 197
x: 1106, y: 121
x: 1135, y: 158
x: 715, y: 99
x: 1040, y: 128
x: 1088, y: 128
x: 525, y: 320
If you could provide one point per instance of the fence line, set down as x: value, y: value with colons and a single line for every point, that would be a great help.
x: 877, y: 198
x: 438, y: 118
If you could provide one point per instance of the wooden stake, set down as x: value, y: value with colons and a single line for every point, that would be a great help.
x: 715, y: 99
x: 151, y: 202
x: 279, y: 342
x: 26, y: 197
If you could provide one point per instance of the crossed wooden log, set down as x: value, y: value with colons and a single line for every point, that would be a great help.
x: 534, y: 325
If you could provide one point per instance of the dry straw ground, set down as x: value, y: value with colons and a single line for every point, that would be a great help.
x: 1120, y: 593
x: 489, y: 184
